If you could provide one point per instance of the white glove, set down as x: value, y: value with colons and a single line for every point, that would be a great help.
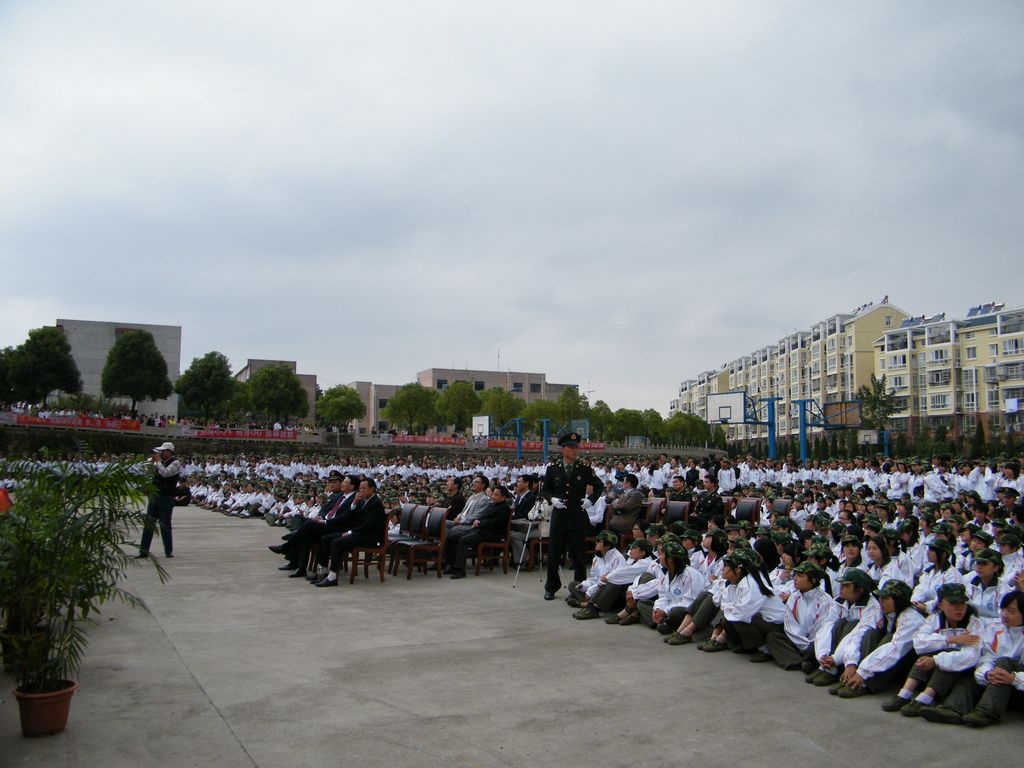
x: 557, y: 503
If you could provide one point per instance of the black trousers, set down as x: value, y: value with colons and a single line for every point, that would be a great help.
x: 563, y: 539
x: 466, y: 545
x: 160, y: 509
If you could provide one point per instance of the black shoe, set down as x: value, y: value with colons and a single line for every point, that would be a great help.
x: 277, y: 549
x: 549, y: 595
x: 457, y: 575
x: 449, y: 571
x: 169, y: 554
x: 297, y: 574
x: 142, y: 555
x: 327, y: 583
x: 287, y: 567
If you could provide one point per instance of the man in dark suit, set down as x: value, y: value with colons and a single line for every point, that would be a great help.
x: 522, y: 502
x: 492, y: 525
x: 626, y: 508
x: 565, y: 486
x: 331, y: 521
x: 363, y: 527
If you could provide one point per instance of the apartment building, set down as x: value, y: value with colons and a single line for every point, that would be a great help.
x: 828, y: 363
x: 955, y: 373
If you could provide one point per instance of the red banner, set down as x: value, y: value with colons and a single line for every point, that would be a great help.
x: 587, y: 446
x: 528, y: 445
x: 244, y: 434
x: 427, y: 440
x: 79, y: 422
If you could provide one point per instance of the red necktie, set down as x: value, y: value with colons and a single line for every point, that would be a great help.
x: 334, y: 509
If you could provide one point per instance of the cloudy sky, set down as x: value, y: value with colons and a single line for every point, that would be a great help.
x: 619, y: 195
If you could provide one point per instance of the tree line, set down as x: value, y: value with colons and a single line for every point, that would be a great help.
x: 416, y: 408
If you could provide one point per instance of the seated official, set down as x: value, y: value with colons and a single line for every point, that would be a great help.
x: 365, y: 522
x: 490, y: 525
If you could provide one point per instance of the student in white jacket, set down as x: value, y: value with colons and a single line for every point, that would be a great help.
x: 750, y: 609
x: 843, y: 619
x: 678, y: 586
x: 606, y: 558
x: 807, y: 608
x: 985, y: 587
x: 609, y: 594
x: 999, y: 670
x: 890, y: 638
x: 947, y: 646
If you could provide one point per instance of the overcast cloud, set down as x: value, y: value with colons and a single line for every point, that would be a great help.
x: 619, y: 195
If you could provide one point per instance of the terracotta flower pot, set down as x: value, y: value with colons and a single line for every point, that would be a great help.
x: 43, y: 714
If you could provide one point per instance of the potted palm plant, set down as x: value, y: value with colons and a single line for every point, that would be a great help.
x: 65, y: 545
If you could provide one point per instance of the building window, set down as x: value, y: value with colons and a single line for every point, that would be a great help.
x: 517, y: 386
x: 969, y: 336
x: 898, y: 361
x: 972, y: 353
x: 535, y: 389
x: 478, y: 386
x: 382, y: 402
x: 442, y: 383
x: 1012, y: 346
x: 939, y: 402
x: 993, y: 350
x: 970, y: 402
x: 888, y: 321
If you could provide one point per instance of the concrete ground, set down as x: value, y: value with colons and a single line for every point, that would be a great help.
x: 234, y: 664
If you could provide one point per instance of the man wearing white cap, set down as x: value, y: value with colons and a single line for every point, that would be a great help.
x: 161, y: 505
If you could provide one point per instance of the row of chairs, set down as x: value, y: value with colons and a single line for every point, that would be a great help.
x: 422, y: 532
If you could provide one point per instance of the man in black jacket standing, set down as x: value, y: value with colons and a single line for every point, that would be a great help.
x: 166, y: 470
x: 364, y: 527
x: 492, y: 525
x: 565, y: 486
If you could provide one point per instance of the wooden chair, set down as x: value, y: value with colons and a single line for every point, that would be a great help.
x: 427, y: 547
x: 676, y: 511
x: 366, y: 555
x: 411, y: 530
x: 493, y: 548
x: 749, y: 508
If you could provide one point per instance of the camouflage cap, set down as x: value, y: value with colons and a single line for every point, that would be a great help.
x: 690, y: 533
x: 642, y: 544
x: 910, y: 524
x: 781, y: 538
x: 655, y: 529
x: 873, y: 523
x: 744, y: 525
x: 988, y: 555
x: 984, y: 537
x: 942, y: 527
x: 858, y: 578
x: 851, y: 539
x: 670, y: 537
x: 891, y: 533
x: 819, y: 550
x: 822, y: 519
x: 672, y: 549
x: 895, y: 588
x: 608, y: 538
x: 1009, y: 540
x: 810, y: 569
x: 953, y: 592
x: 941, y: 545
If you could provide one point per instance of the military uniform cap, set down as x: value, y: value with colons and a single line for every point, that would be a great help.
x: 941, y: 545
x: 655, y: 529
x: 669, y: 537
x: 810, y: 569
x: 744, y: 525
x: 988, y: 555
x: 890, y: 533
x: 762, y: 530
x: 781, y: 538
x: 570, y: 439
x: 607, y: 537
x: 690, y: 533
x: 741, y: 544
x: 1009, y: 492
x: 942, y: 527
x: 984, y: 537
x: 1009, y: 540
x: 642, y: 544
x: 873, y: 522
x: 895, y: 588
x: 952, y: 592
x: 836, y: 527
x: 819, y: 541
x: 819, y: 550
x: 672, y: 549
x: 858, y: 578
x: 678, y: 528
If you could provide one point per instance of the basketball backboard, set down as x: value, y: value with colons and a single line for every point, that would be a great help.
x: 727, y: 407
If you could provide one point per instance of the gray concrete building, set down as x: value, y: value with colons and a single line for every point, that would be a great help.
x: 91, y: 341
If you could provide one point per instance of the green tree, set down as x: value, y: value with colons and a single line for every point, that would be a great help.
x: 628, y: 422
x: 653, y: 425
x: 601, y: 417
x: 412, y: 407
x: 6, y: 390
x: 239, y: 406
x: 458, y: 404
x: 572, y: 405
x: 135, y: 369
x: 42, y: 365
x: 338, y: 406
x: 207, y: 384
x: 978, y: 441
x: 276, y: 391
x: 535, y: 412
x: 877, y: 403
x: 500, y: 404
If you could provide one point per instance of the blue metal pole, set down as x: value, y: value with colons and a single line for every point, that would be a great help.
x: 544, y: 427
x: 771, y: 428
x: 885, y: 442
x: 803, y: 430
x: 519, y: 438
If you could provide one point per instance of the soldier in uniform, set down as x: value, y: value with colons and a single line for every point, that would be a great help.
x: 565, y: 486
